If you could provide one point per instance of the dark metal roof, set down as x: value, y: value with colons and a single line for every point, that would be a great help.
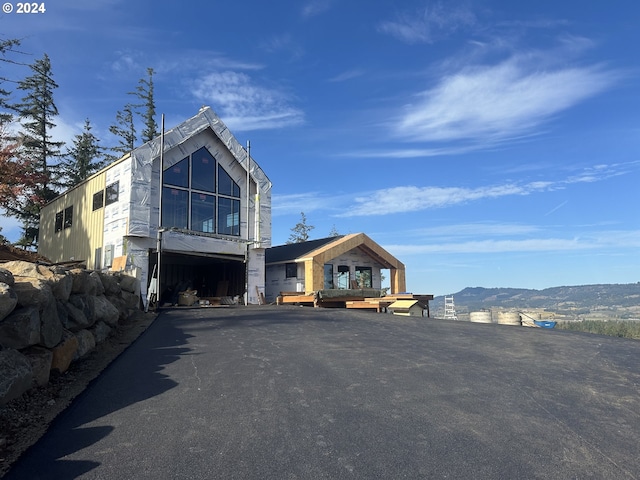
x: 291, y: 251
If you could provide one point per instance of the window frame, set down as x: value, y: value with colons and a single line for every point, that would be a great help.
x: 68, y: 217
x: 227, y: 205
x: 109, y: 196
x: 59, y: 221
x: 291, y: 270
x: 358, y: 276
x: 98, y: 197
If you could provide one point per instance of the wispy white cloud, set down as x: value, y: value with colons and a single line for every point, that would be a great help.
x: 287, y: 204
x: 315, y: 7
x: 429, y: 24
x: 601, y: 240
x: 411, y: 198
x: 348, y: 75
x: 490, y: 104
x: 283, y: 43
x: 245, y: 105
x: 476, y: 229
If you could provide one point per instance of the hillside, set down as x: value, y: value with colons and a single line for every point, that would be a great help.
x: 617, y: 300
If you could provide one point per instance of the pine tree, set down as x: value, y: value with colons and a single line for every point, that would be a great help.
x: 300, y: 233
x: 144, y: 91
x: 36, y: 112
x: 125, y: 130
x: 83, y: 159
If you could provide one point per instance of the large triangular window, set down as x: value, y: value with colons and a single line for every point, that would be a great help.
x: 178, y: 174
x: 226, y: 185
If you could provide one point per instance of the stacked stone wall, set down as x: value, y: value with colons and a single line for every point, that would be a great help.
x: 51, y: 316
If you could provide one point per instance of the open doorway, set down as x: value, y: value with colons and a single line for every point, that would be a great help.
x: 209, y: 276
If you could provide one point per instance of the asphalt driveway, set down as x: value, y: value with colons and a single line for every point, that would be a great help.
x: 301, y: 393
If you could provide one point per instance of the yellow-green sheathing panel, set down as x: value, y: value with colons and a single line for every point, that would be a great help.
x: 79, y: 241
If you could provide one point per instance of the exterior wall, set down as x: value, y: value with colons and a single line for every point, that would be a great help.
x: 255, y: 275
x: 276, y: 281
x: 356, y: 258
x: 116, y: 215
x: 78, y: 242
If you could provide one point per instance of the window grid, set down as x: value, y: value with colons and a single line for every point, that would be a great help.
x: 189, y: 203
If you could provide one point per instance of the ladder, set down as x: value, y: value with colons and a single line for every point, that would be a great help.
x: 449, y: 308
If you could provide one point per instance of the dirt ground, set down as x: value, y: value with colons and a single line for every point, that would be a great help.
x: 9, y: 252
x: 24, y: 420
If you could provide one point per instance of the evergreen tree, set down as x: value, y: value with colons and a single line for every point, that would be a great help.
x: 36, y: 112
x: 6, y: 46
x: 144, y: 91
x: 125, y: 130
x: 82, y: 160
x: 300, y: 233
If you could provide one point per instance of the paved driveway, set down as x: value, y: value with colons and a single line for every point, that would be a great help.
x: 300, y: 393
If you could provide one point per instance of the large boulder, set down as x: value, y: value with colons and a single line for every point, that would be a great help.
x: 61, y: 285
x: 6, y: 277
x: 101, y: 332
x: 57, y: 277
x: 64, y: 352
x: 85, y: 303
x: 20, y: 268
x: 121, y: 305
x: 16, y: 375
x: 86, y: 343
x: 8, y: 300
x: 75, y: 319
x: 97, y: 288
x: 128, y: 283
x: 32, y: 291
x: 21, y: 329
x: 105, y: 311
x: 131, y: 300
x: 81, y: 282
x: 111, y: 285
x: 40, y: 359
x: 50, y: 325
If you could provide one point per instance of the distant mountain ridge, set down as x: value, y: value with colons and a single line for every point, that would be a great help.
x: 574, y: 299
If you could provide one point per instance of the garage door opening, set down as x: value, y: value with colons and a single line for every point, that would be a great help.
x: 210, y: 276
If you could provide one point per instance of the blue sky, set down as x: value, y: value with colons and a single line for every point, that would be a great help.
x: 483, y: 143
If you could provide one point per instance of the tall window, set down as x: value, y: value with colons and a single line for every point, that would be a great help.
x: 343, y: 276
x: 363, y: 277
x: 175, y: 207
x: 98, y: 200
x: 328, y: 275
x: 204, y: 171
x: 64, y: 219
x: 199, y: 195
x: 59, y: 218
x: 203, y: 212
x: 68, y: 217
x: 111, y: 193
x: 228, y: 216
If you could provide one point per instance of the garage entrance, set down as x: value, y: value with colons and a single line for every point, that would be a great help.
x: 210, y: 275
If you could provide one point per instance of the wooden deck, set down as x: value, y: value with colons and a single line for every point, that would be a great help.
x: 379, y: 304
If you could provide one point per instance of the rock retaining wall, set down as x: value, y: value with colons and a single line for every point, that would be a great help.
x: 51, y: 316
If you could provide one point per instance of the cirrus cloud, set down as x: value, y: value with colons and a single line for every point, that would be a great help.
x: 244, y: 105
